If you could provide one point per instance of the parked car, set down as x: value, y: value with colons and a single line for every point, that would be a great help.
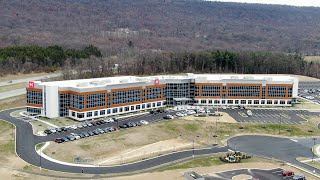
x: 47, y: 131
x: 86, y: 134
x: 81, y: 135
x: 101, y: 131
x: 151, y: 112
x: 232, y: 107
x: 299, y: 177
x: 144, y: 122
x: 75, y: 135
x: 179, y: 114
x: 138, y: 123
x: 168, y: 116
x: 91, y: 133
x: 224, y: 107
x: 73, y: 127
x: 287, y: 173
x: 123, y: 126
x: 84, y: 125
x: 58, y: 140
x: 129, y: 124
x: 64, y: 129
x: 249, y: 113
x: 58, y: 129
x: 53, y: 130
x: 70, y: 137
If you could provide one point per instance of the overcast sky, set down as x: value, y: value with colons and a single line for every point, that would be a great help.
x: 315, y: 3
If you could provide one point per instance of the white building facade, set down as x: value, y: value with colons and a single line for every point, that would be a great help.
x: 93, y: 98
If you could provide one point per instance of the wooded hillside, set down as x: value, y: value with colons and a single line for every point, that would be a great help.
x: 175, y: 25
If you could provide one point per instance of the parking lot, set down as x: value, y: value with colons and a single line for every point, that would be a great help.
x: 310, y: 90
x: 115, y: 125
x: 274, y: 174
x: 270, y: 116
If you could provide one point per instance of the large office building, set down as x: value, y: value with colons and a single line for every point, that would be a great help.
x: 93, y: 98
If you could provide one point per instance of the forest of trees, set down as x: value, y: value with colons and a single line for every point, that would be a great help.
x: 148, y: 63
x: 35, y: 58
x: 175, y: 25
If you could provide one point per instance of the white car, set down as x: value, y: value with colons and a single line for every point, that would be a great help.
x: 170, y: 116
x: 179, y: 114
x: 73, y: 127
x: 249, y: 113
x: 144, y: 122
x: 224, y: 107
x: 75, y: 135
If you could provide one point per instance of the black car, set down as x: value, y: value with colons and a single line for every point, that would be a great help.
x: 123, y: 126
x: 166, y: 117
x: 47, y: 131
x: 86, y: 134
x: 134, y: 124
x: 129, y: 124
x: 151, y: 112
x: 81, y: 135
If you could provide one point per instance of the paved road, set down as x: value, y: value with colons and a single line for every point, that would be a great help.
x: 280, y: 148
x: 13, y: 93
x: 17, y: 81
x: 274, y: 174
x: 26, y: 141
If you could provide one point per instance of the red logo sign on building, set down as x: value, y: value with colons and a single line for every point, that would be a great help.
x: 31, y: 84
x: 156, y: 81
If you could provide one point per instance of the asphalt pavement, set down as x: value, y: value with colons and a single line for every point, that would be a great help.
x: 272, y: 174
x: 274, y: 147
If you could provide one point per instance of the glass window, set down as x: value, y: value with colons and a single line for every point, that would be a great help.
x: 89, y: 114
x: 102, y: 112
x: 96, y: 113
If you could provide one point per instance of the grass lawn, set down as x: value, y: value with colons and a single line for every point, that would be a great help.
x: 12, y: 87
x: 103, y: 146
x: 60, y: 121
x: 13, y: 102
x: 39, y: 126
x: 312, y: 58
x: 209, y: 161
x: 315, y: 164
x: 21, y: 76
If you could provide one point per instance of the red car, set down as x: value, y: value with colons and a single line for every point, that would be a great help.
x: 287, y: 173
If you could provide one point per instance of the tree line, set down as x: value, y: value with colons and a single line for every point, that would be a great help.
x: 216, y: 61
x: 36, y: 58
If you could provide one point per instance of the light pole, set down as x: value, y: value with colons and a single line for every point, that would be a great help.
x: 40, y: 159
x: 193, y: 146
x: 280, y: 123
x: 314, y: 143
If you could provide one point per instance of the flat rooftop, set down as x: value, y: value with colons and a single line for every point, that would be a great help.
x: 96, y: 82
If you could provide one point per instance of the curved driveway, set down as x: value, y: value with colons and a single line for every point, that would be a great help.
x: 283, y: 149
x: 26, y: 141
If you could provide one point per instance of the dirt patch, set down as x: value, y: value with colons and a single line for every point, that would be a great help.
x: 224, y: 118
x: 241, y: 177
